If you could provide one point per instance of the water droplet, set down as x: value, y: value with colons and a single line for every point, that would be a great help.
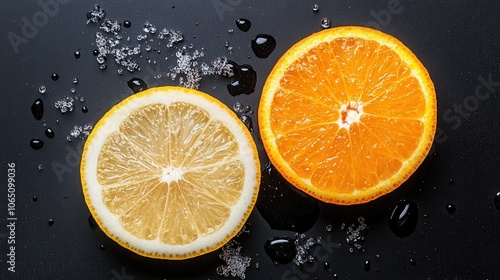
x: 497, y: 200
x: 326, y: 265
x: 91, y: 221
x: 75, y: 80
x: 243, y: 24
x: 102, y: 66
x: 335, y: 276
x: 54, y: 77
x: 284, y: 207
x: 280, y: 249
x: 245, y: 80
x: 451, y: 182
x: 367, y: 265
x: 450, y: 207
x: 230, y: 30
x: 247, y: 121
x: 328, y: 228
x: 315, y: 7
x: 95, y: 52
x: 326, y: 23
x: 413, y: 262
x: 102, y: 247
x: 36, y: 144
x: 263, y: 45
x: 404, y: 218
x: 49, y: 132
x: 127, y: 24
x: 85, y: 109
x: 77, y: 54
x: 37, y: 109
x: 42, y: 89
x: 73, y: 90
x: 137, y: 85
x: 40, y: 167
x: 51, y: 222
x: 35, y: 198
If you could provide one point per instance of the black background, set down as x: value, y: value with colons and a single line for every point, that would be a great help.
x: 457, y: 41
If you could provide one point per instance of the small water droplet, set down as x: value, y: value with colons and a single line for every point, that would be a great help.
x: 51, y: 222
x: 367, y: 265
x: 326, y: 23
x: 102, y: 247
x: 85, y: 109
x: 137, y: 85
x: 127, y: 24
x: 35, y: 198
x: 36, y: 144
x: 49, y: 132
x: 73, y: 90
x: 497, y: 200
x: 450, y: 207
x: 315, y: 7
x: 280, y: 249
x: 77, y: 54
x: 404, y: 218
x: 75, y: 80
x: 95, y: 52
x: 102, y: 66
x: 243, y: 24
x: 37, y: 109
x: 335, y: 276
x: 247, y: 121
x: 413, y: 262
x: 326, y: 265
x: 230, y: 30
x: 40, y: 167
x: 328, y: 228
x: 42, y: 89
x: 451, y: 182
x: 263, y: 45
x: 55, y: 77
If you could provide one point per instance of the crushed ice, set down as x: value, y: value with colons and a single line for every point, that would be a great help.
x: 355, y: 233
x: 236, y: 264
x: 65, y: 105
x: 303, y: 246
x: 79, y: 131
x: 96, y: 14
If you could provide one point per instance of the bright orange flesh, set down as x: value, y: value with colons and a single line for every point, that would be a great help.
x: 347, y: 114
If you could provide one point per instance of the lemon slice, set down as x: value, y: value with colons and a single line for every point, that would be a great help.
x: 170, y: 173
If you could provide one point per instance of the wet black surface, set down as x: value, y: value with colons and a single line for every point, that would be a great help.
x: 457, y: 42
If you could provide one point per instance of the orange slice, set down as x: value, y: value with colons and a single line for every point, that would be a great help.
x: 347, y: 114
x: 170, y: 173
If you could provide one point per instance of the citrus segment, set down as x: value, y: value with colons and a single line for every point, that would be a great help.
x: 347, y: 114
x: 170, y: 173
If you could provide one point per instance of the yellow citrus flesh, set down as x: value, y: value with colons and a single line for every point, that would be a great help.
x: 347, y: 114
x: 170, y: 173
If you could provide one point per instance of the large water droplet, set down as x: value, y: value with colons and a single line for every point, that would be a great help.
x: 243, y: 24
x: 263, y: 45
x: 284, y: 207
x: 55, y: 77
x: 127, y: 24
x: 326, y: 23
x: 404, y: 218
x: 36, y: 144
x: 37, y: 109
x: 280, y: 249
x: 244, y: 81
x: 137, y: 85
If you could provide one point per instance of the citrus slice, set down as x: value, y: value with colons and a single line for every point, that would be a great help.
x: 170, y: 173
x: 347, y: 114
